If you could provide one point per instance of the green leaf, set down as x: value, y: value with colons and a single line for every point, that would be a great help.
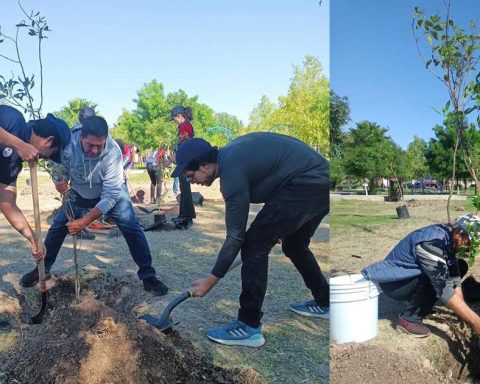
x: 447, y: 106
x: 471, y: 261
x: 429, y: 39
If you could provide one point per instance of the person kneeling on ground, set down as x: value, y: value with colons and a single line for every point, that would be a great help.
x: 93, y: 166
x: 423, y: 267
x: 292, y: 180
x: 21, y: 141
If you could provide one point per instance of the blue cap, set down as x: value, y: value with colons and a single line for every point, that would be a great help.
x: 188, y: 151
x: 178, y: 110
x: 63, y: 133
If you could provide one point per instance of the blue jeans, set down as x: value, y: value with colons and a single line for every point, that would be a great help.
x: 123, y: 215
x: 175, y: 185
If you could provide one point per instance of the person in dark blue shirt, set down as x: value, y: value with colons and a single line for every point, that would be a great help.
x: 21, y: 141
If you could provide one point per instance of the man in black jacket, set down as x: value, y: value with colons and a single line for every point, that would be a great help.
x: 292, y: 180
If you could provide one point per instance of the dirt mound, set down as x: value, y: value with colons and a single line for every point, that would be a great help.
x: 98, y: 340
x: 359, y: 363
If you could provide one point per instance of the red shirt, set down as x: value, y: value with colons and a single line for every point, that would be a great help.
x: 185, y: 132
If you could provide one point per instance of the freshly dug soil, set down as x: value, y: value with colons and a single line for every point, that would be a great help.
x: 99, y: 340
x: 360, y: 363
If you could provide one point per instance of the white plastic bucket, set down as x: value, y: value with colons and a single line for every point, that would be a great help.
x: 353, y: 309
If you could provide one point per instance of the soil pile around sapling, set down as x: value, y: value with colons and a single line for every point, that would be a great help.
x: 99, y: 340
x: 359, y: 363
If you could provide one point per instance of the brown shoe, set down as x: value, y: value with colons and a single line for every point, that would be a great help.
x: 414, y: 329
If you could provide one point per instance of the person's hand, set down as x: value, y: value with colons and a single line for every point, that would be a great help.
x: 76, y: 226
x: 27, y: 152
x: 201, y: 287
x: 476, y: 328
x: 38, y: 253
x: 61, y: 186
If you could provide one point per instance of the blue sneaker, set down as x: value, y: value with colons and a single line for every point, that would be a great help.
x: 311, y: 309
x: 237, y: 333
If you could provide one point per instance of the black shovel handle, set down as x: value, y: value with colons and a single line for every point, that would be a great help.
x: 179, y: 299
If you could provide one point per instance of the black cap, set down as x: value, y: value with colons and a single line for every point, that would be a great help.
x: 188, y: 151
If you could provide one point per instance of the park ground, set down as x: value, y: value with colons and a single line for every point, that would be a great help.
x: 363, y: 232
x: 99, y: 340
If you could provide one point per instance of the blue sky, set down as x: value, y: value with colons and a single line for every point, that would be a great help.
x: 229, y: 53
x: 375, y: 63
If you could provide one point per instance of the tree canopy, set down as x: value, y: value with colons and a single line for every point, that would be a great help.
x: 149, y: 123
x: 372, y: 153
x: 304, y: 112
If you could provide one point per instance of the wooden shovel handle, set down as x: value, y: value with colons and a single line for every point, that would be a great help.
x: 38, y: 228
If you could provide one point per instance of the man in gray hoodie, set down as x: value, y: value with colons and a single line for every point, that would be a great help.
x: 93, y: 168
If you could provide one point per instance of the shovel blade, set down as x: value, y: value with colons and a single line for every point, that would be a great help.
x: 164, y: 326
x: 37, y: 319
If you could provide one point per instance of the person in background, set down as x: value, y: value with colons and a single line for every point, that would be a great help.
x: 83, y: 114
x: 21, y: 141
x: 292, y: 180
x: 182, y: 116
x: 94, y: 186
x: 152, y: 173
x: 423, y: 267
x: 133, y: 156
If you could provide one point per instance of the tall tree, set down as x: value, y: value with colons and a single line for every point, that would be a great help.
x: 303, y: 112
x: 231, y: 122
x: 339, y: 117
x: 416, y: 162
x: 372, y: 154
x: 18, y: 88
x: 440, y: 150
x: 306, y: 106
x: 451, y: 56
x: 261, y: 117
x: 149, y: 123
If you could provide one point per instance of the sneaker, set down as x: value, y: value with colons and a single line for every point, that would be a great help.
x: 311, y: 309
x: 30, y: 279
x: 152, y: 284
x: 237, y: 333
x: 414, y: 329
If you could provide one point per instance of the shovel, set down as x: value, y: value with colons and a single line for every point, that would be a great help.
x: 37, y: 319
x: 164, y: 323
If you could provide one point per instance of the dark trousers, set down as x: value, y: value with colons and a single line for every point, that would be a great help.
x: 123, y: 215
x: 418, y: 293
x: 294, y: 222
x: 187, y: 210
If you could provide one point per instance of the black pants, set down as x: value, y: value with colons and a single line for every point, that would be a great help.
x: 152, y: 173
x: 418, y: 293
x: 187, y: 210
x: 293, y: 220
